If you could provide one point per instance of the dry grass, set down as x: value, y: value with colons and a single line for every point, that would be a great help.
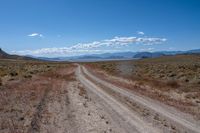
x: 0, y: 82
x: 181, y: 71
x: 173, y: 80
x: 19, y: 69
x: 64, y: 76
x: 23, y: 99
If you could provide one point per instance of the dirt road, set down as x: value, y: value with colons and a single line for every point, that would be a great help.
x: 72, y: 100
x: 156, y: 117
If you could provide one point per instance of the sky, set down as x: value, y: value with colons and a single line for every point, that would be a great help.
x: 54, y: 28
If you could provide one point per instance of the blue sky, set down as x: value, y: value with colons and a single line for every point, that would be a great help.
x: 74, y: 27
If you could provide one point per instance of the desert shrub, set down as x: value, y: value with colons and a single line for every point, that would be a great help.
x: 172, y: 75
x: 28, y: 76
x: 31, y: 72
x: 184, y: 79
x: 187, y: 80
x: 82, y: 91
x: 172, y: 83
x: 13, y: 73
x: 0, y: 81
x: 191, y: 96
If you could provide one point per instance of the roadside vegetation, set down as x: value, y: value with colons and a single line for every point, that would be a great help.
x: 26, y: 88
x: 181, y: 71
x: 174, y: 80
x: 21, y: 69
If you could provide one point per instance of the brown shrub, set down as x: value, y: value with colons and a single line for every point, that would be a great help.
x: 28, y: 76
x: 172, y: 83
x: 82, y: 91
x: 0, y: 81
x: 13, y: 74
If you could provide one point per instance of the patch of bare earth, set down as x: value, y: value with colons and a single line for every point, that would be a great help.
x: 88, y: 112
x: 24, y: 102
x: 52, y: 102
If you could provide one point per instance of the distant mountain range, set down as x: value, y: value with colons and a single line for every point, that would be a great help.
x: 121, y: 55
x: 105, y: 56
x: 148, y: 55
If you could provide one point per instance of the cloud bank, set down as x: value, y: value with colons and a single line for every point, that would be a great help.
x: 107, y: 45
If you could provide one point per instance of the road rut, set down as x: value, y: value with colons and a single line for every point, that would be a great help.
x: 135, y: 123
x: 172, y: 116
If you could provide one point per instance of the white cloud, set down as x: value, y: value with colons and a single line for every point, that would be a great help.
x: 151, y: 41
x: 107, y: 45
x: 147, y: 49
x: 172, y: 48
x: 120, y: 41
x: 140, y: 33
x: 35, y: 34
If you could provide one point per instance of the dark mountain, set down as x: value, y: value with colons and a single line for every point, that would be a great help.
x: 89, y: 57
x: 163, y: 53
x: 148, y: 55
x: 196, y: 51
x: 118, y: 54
x: 115, y: 57
x: 4, y: 55
x: 50, y: 59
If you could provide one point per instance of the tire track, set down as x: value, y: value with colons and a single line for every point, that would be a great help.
x: 136, y: 124
x: 35, y: 122
x: 182, y: 123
